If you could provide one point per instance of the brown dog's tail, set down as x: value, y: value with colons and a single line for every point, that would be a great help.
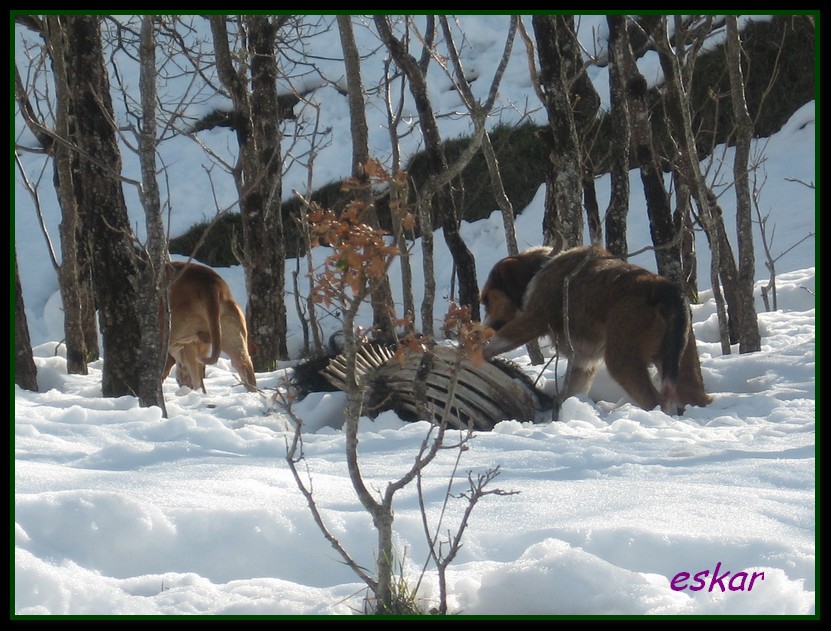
x: 213, y: 308
x: 675, y: 310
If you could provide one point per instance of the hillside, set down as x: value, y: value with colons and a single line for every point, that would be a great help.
x: 786, y: 42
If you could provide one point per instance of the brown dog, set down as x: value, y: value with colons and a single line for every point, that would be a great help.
x: 205, y: 320
x: 617, y: 312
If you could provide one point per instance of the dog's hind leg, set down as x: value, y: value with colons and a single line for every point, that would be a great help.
x: 633, y: 376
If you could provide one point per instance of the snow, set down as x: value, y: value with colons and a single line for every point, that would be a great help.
x: 120, y: 511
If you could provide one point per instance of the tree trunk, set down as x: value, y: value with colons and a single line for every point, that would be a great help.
x: 749, y: 337
x: 590, y: 202
x: 382, y: 516
x: 661, y: 226
x: 398, y: 196
x: 79, y: 298
x: 425, y: 218
x: 479, y: 113
x: 381, y: 294
x: 259, y: 182
x: 152, y: 289
x: 25, y: 371
x: 679, y: 121
x: 98, y: 192
x: 585, y: 103
x: 683, y: 218
x: 727, y: 270
x: 70, y: 231
x: 618, y: 209
x: 563, y: 204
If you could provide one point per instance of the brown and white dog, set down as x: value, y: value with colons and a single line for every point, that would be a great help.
x: 618, y: 312
x: 205, y: 320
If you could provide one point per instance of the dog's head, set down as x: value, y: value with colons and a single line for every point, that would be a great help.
x: 190, y: 371
x: 504, y: 289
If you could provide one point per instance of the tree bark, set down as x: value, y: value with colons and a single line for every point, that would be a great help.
x: 25, y: 371
x: 563, y: 203
x: 661, y: 226
x: 398, y: 196
x: 259, y: 182
x: 585, y: 103
x: 727, y: 270
x: 618, y: 208
x: 70, y: 228
x: 749, y: 337
x: 464, y: 263
x: 152, y: 289
x: 68, y: 270
x: 96, y: 178
x: 679, y: 120
x: 683, y: 218
x: 381, y: 294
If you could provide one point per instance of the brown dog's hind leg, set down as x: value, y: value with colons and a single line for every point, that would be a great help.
x: 192, y: 354
x: 633, y: 376
x: 634, y: 337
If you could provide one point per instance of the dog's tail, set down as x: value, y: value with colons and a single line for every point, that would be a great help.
x: 214, y: 314
x: 677, y: 314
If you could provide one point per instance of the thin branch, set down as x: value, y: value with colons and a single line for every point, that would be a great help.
x: 38, y: 211
x: 294, y: 454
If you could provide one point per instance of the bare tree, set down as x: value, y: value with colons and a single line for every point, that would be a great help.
x: 464, y: 263
x: 679, y: 118
x: 398, y: 197
x: 585, y: 104
x: 479, y: 113
x: 74, y: 274
x: 618, y: 207
x: 683, y: 217
x: 445, y: 546
x: 769, y: 290
x: 152, y: 287
x: 749, y: 336
x: 95, y: 186
x: 563, y: 197
x: 382, y: 307
x: 72, y: 239
x: 25, y: 371
x: 258, y: 176
x: 306, y: 306
x: 360, y: 256
x: 661, y: 225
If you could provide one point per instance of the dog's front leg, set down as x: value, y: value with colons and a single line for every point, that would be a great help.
x: 521, y: 330
x: 579, y: 376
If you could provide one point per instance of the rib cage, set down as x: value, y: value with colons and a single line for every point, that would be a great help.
x: 484, y: 394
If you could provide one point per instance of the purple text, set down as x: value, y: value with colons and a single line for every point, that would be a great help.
x: 718, y: 580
